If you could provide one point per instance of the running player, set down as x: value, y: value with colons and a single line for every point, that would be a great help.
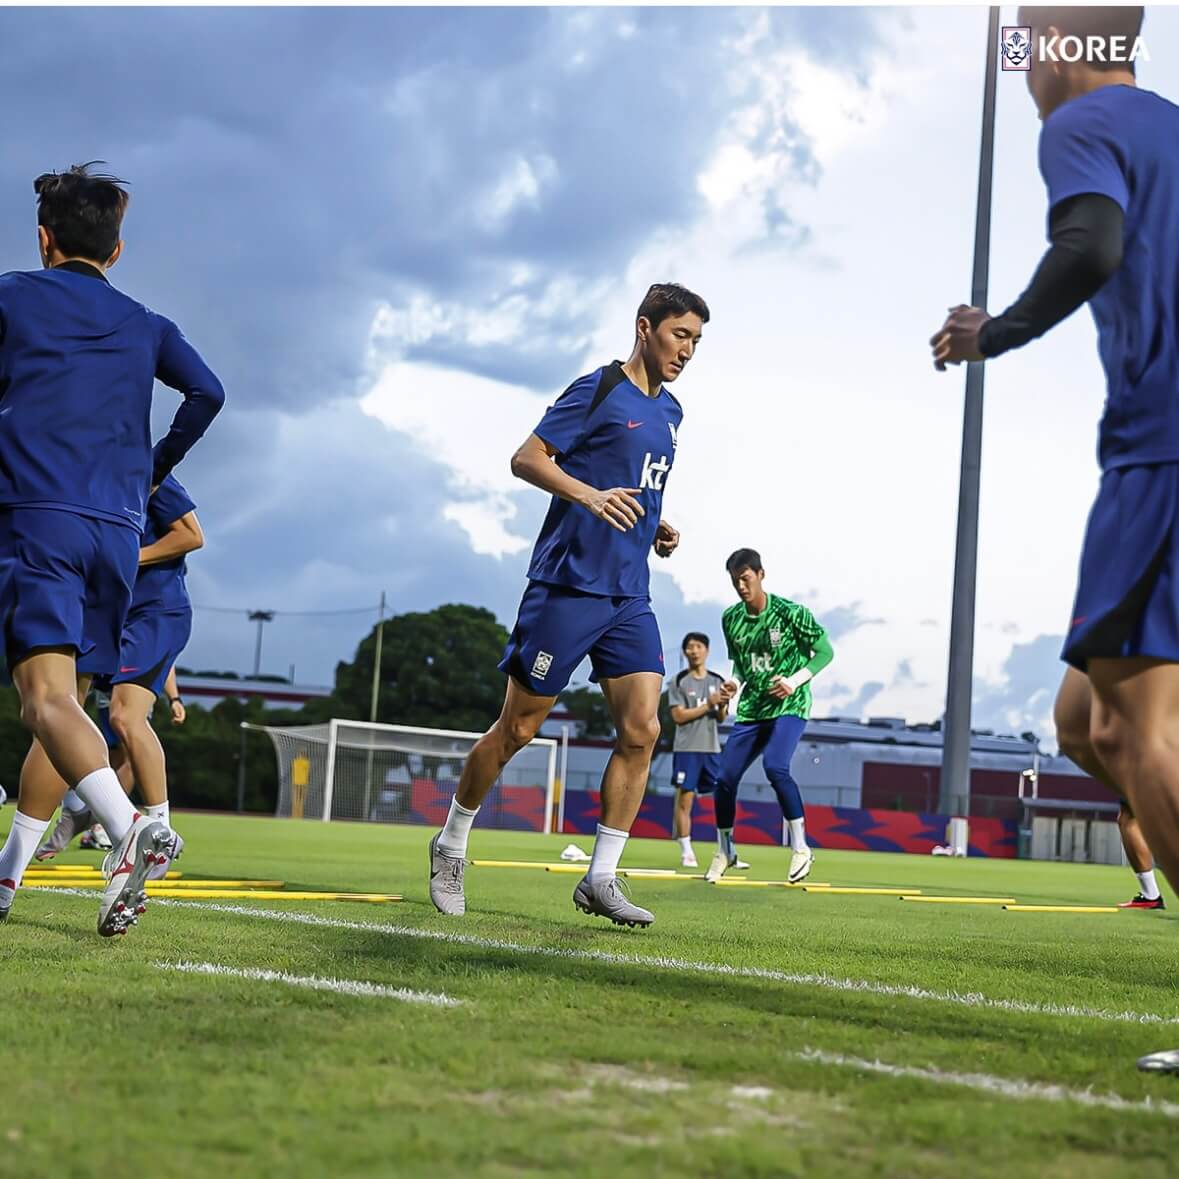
x: 698, y: 706
x: 1074, y: 705
x: 78, y: 360
x: 157, y: 630
x: 603, y: 451
x: 1109, y: 154
x: 777, y: 648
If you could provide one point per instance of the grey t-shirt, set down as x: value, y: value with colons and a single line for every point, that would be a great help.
x: 686, y: 691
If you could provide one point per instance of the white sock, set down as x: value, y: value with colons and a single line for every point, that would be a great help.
x: 23, y: 840
x: 608, y: 849
x: 101, y: 792
x: 685, y: 842
x: 1146, y: 880
x: 158, y: 812
x: 724, y: 841
x: 797, y: 834
x: 72, y: 802
x: 453, y: 839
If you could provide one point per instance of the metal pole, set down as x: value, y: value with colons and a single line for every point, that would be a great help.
x: 260, y: 617
x: 241, y: 772
x: 954, y: 787
x: 372, y: 711
x: 372, y: 708
x: 564, y: 779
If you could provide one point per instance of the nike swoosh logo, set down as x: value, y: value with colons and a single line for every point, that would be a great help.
x: 127, y: 670
x: 633, y: 425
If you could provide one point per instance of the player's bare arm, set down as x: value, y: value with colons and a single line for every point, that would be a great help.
x: 184, y: 536
x: 533, y: 463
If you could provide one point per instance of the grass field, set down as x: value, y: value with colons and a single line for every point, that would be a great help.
x: 750, y: 1032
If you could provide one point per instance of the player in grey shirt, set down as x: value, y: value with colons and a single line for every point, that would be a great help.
x: 698, y: 699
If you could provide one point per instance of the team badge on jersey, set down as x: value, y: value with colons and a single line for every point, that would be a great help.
x: 775, y: 636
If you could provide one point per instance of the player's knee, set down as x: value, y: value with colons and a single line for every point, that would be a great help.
x: 1114, y: 740
x: 1072, y: 733
x: 124, y: 721
x: 638, y: 735
x: 515, y: 732
x: 37, y: 707
x: 777, y: 773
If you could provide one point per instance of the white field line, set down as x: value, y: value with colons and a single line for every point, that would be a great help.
x: 1001, y: 1086
x: 340, y: 986
x: 658, y: 962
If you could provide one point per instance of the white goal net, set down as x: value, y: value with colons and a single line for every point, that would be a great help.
x: 397, y: 774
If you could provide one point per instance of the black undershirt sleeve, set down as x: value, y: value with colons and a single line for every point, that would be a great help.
x: 1086, y: 236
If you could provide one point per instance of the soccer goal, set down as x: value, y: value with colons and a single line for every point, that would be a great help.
x: 398, y: 774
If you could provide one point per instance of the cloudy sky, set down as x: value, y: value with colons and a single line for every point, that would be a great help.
x: 398, y: 233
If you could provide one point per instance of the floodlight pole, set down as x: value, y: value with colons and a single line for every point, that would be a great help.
x: 372, y: 708
x: 954, y: 786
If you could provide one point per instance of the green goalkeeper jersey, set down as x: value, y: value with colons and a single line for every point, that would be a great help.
x: 777, y: 642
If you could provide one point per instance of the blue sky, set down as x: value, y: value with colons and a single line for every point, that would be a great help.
x: 397, y: 233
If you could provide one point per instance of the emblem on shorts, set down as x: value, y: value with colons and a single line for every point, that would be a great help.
x: 540, y: 667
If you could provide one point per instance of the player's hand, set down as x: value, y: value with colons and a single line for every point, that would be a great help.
x: 781, y: 688
x: 618, y: 507
x: 729, y: 689
x: 179, y: 715
x: 958, y: 338
x: 716, y: 699
x: 667, y: 539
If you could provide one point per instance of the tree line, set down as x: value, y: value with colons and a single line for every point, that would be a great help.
x: 438, y: 670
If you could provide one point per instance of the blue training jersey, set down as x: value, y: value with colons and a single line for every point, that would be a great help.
x: 78, y: 360
x: 608, y: 433
x: 1123, y: 143
x: 160, y: 586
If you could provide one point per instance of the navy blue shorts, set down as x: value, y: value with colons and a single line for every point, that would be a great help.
x: 65, y: 581
x: 558, y: 627
x: 152, y: 642
x: 697, y: 773
x: 1127, y: 601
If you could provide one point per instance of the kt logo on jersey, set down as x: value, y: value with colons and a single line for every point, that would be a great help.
x: 655, y: 472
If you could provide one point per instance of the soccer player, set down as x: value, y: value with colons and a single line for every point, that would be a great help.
x: 78, y: 360
x: 156, y: 631
x: 1109, y: 154
x: 777, y: 647
x: 603, y: 451
x: 698, y: 705
x: 1074, y: 705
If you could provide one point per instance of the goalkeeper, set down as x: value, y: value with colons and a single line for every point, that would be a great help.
x: 777, y: 648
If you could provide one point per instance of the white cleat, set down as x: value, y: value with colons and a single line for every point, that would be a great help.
x: 173, y: 852
x: 607, y: 898
x: 688, y: 860
x: 1160, y: 1062
x: 446, y: 881
x: 718, y: 867
x: 738, y: 864
x: 800, y: 865
x: 126, y: 867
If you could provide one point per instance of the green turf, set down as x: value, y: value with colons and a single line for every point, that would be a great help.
x: 570, y: 1064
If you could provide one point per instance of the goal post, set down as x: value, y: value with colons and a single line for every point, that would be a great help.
x: 403, y: 774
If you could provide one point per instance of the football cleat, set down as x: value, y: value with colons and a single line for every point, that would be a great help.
x: 800, y: 865
x: 688, y: 860
x: 173, y: 852
x: 446, y: 881
x: 1141, y: 902
x: 1160, y: 1062
x: 124, y: 899
x: 718, y: 867
x: 69, y: 825
x: 738, y: 864
x: 96, y: 839
x: 606, y: 898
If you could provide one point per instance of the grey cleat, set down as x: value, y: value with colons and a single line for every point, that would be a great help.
x: 70, y: 825
x: 446, y: 881
x: 126, y: 867
x: 1160, y: 1062
x: 172, y: 852
x: 607, y: 899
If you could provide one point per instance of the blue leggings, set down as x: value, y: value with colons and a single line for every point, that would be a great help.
x: 774, y: 741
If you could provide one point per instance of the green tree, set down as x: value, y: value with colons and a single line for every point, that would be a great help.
x: 438, y: 669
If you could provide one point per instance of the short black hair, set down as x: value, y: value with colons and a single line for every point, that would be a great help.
x: 1075, y: 21
x: 694, y: 636
x: 665, y: 299
x: 743, y: 559
x: 83, y: 210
